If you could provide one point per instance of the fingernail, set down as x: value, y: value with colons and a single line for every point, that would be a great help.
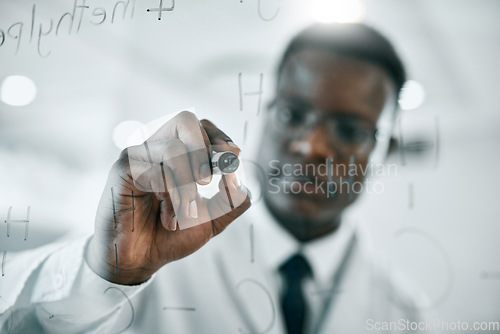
x: 205, y: 173
x: 232, y: 144
x: 193, y: 209
x: 173, y: 223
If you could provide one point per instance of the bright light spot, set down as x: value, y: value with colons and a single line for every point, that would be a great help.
x: 17, y: 90
x: 340, y: 11
x: 123, y: 131
x: 412, y: 95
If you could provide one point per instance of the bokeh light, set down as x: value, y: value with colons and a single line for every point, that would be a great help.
x: 18, y: 90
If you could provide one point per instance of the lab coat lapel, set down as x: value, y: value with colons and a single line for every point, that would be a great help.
x: 252, y: 290
x: 349, y: 303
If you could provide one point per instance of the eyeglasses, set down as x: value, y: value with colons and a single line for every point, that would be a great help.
x: 350, y: 131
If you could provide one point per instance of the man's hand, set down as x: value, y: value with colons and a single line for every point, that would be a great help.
x: 150, y: 190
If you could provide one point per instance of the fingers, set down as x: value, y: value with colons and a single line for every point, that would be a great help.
x: 152, y: 178
x: 173, y: 160
x: 186, y: 127
x: 228, y: 204
x: 218, y: 138
x: 197, y: 143
x: 168, y: 172
x: 167, y: 214
x: 170, y: 199
x: 184, y: 183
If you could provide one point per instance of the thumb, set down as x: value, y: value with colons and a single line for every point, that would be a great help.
x: 229, y: 203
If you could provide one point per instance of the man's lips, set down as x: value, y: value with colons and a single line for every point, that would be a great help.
x: 299, y: 176
x: 304, y: 186
x: 303, y: 178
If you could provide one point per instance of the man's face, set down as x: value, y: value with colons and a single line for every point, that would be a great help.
x: 320, y: 130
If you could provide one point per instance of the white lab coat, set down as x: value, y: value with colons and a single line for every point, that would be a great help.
x: 226, y: 287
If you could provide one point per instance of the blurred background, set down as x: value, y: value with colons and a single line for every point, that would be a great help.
x: 72, y: 93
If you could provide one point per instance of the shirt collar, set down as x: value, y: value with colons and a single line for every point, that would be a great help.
x: 323, y: 254
x: 277, y: 244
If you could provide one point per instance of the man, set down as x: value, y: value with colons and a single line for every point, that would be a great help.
x: 292, y: 264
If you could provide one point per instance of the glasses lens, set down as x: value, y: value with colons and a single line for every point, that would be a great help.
x: 346, y: 130
x: 286, y: 117
x: 350, y: 132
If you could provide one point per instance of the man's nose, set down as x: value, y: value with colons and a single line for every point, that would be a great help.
x: 315, y: 143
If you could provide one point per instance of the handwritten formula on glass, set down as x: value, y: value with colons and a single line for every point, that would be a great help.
x: 33, y: 29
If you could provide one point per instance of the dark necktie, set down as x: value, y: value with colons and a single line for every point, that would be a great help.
x: 293, y: 301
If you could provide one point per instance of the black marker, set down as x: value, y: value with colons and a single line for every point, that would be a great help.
x: 224, y: 162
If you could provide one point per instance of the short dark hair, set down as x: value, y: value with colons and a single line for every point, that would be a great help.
x: 354, y: 40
